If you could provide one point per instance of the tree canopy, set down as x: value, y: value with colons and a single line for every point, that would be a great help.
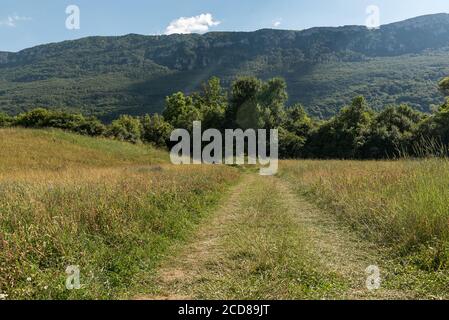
x: 356, y: 132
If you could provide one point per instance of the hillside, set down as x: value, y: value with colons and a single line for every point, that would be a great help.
x: 23, y: 148
x: 324, y: 67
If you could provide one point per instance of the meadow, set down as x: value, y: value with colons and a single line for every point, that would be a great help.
x: 109, y: 207
x: 401, y: 205
x: 138, y: 226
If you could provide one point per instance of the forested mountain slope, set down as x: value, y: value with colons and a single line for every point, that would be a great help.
x: 324, y: 67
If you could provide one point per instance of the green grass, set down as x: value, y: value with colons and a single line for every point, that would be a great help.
x: 254, y: 247
x: 266, y: 250
x: 120, y: 210
x: 401, y: 206
x: 109, y: 207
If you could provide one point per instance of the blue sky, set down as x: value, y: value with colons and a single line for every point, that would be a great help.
x: 25, y: 23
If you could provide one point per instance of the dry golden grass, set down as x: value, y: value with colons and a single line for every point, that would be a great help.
x: 117, y: 209
x: 54, y: 150
x: 110, y: 207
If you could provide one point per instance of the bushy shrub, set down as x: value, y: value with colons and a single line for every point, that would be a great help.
x: 291, y: 146
x: 36, y: 118
x: 436, y: 127
x: 43, y: 118
x: 126, y: 128
x: 392, y: 133
x: 90, y: 126
x: 156, y: 131
x: 344, y: 135
x: 5, y: 120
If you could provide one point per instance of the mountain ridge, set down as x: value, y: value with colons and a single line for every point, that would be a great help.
x: 441, y: 15
x: 133, y: 73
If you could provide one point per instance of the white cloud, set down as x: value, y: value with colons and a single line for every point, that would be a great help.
x: 11, y: 21
x: 277, y: 23
x: 197, y: 24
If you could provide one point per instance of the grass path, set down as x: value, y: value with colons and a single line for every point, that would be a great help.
x: 265, y: 242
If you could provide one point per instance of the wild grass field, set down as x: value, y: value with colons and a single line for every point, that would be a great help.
x: 402, y: 207
x: 314, y: 230
x: 401, y: 204
x: 139, y: 227
x: 109, y: 207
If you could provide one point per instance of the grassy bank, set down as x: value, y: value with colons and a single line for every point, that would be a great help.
x: 111, y: 208
x: 400, y: 205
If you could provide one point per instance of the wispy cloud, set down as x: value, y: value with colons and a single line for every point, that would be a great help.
x: 197, y: 24
x: 11, y: 21
x: 277, y: 23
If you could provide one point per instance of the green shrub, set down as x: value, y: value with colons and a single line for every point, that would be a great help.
x: 126, y: 128
x: 42, y: 118
x: 290, y: 145
x: 5, y: 120
x: 155, y: 130
x: 37, y: 118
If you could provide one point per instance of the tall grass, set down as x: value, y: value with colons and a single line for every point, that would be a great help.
x: 402, y: 205
x: 109, y: 207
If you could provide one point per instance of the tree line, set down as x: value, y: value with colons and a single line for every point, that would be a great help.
x: 356, y: 132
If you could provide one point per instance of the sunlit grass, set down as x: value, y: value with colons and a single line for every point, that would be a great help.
x: 55, y: 150
x: 401, y: 205
x: 110, y: 207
